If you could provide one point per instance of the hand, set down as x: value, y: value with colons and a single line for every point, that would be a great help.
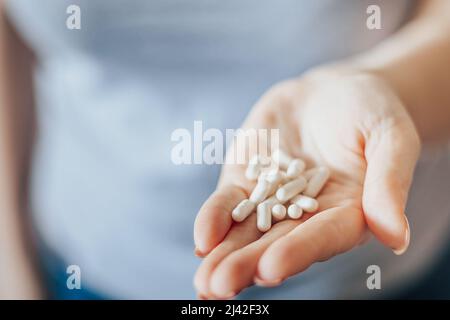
x: 355, y: 125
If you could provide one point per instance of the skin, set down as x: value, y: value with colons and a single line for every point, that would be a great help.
x: 361, y: 131
x: 365, y: 118
x: 18, y: 275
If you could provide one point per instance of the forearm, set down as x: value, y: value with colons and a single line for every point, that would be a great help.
x: 416, y: 64
x: 18, y: 279
x: 17, y: 276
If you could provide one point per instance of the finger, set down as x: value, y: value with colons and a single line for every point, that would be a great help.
x: 239, y: 236
x: 214, y: 218
x: 319, y: 238
x: 391, y: 153
x: 237, y: 270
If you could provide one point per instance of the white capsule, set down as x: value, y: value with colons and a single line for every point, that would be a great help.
x: 264, y: 216
x: 291, y: 189
x: 285, y: 179
x: 317, y: 181
x: 243, y: 210
x: 295, y: 168
x: 281, y: 158
x: 263, y: 175
x: 275, y: 178
x: 308, y: 174
x: 253, y: 171
x: 255, y: 159
x: 260, y: 192
x: 307, y: 204
x: 278, y: 212
x: 264, y: 161
x: 294, y: 211
x: 271, y: 201
x: 277, y: 174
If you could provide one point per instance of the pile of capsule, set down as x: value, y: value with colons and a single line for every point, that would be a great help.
x: 287, y: 185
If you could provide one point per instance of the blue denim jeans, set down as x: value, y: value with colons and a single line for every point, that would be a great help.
x: 435, y: 285
x: 55, y: 279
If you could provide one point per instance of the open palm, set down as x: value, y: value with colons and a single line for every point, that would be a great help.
x: 358, y: 128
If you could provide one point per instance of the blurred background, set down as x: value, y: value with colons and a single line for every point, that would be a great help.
x: 85, y: 124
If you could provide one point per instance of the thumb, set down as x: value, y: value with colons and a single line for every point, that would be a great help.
x: 392, y: 150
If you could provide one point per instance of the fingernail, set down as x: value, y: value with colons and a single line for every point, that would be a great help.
x: 198, y: 253
x: 266, y: 283
x: 403, y: 249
